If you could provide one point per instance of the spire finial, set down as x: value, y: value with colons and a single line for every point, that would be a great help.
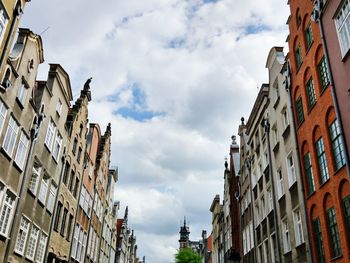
x: 184, y: 220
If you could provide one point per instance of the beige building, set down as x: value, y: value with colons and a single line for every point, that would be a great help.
x: 272, y: 206
x: 18, y: 119
x: 10, y: 14
x: 217, y: 234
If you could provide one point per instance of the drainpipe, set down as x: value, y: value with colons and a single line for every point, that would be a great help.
x: 277, y: 230
x: 53, y: 217
x: 317, y: 17
x: 16, y: 12
x: 24, y: 182
x: 291, y: 108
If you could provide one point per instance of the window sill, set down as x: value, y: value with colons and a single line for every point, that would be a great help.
x: 8, y: 157
x: 18, y: 254
x: 301, y: 245
x: 324, y: 183
x: 345, y: 57
x: 286, y: 131
x: 308, y: 48
x: 17, y: 167
x: 311, y: 108
x: 339, y: 169
x: 323, y: 90
x: 31, y: 193
x: 310, y: 195
x: 276, y: 102
x: 336, y: 258
x: 276, y: 147
x: 20, y: 104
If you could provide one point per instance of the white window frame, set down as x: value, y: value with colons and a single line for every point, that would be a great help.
x: 342, y: 24
x: 22, y: 93
x: 22, y: 235
x: 3, y: 113
x: 286, y: 237
x: 10, y: 136
x: 41, y: 248
x: 32, y: 242
x: 291, y: 169
x: 59, y: 107
x: 57, y: 146
x: 298, y: 227
x: 35, y: 175
x: 22, y: 150
x: 280, y: 183
x: 50, y: 134
x: 44, y: 188
x: 51, y: 198
x: 7, y: 204
x: 75, y: 241
x: 3, y: 23
x: 285, y: 118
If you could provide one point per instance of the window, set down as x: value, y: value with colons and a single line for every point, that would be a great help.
x: 80, y: 243
x: 298, y: 227
x: 269, y: 200
x: 322, y: 161
x: 298, y: 56
x: 337, y: 144
x: 75, y: 145
x: 333, y: 233
x: 59, y: 107
x: 63, y: 223
x: 285, y: 119
x: 83, y: 247
x: 22, y: 150
x: 22, y: 93
x: 75, y: 241
x: 310, y: 92
x: 90, y: 171
x: 319, y: 241
x: 50, y: 134
x: 51, y: 198
x: 66, y: 173
x: 276, y: 93
x: 71, y: 181
x: 57, y: 146
x: 280, y: 184
x: 3, y: 111
x: 291, y: 170
x: 32, y: 243
x: 299, y: 110
x: 34, y: 179
x: 69, y: 227
x: 309, y: 175
x: 3, y: 21
x: 6, y: 212
x: 79, y: 154
x: 323, y: 73
x: 346, y: 207
x: 41, y: 248
x: 10, y: 137
x: 58, y: 215
x: 286, y: 238
x: 43, y: 190
x: 308, y: 36
x: 76, y: 185
x: 22, y: 236
x: 342, y: 22
x: 275, y: 134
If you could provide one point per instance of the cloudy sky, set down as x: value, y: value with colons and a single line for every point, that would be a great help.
x: 174, y: 78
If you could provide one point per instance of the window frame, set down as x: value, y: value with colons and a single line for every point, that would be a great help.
x: 11, y: 138
x: 322, y: 160
x: 344, y: 47
x: 338, y: 146
x: 333, y: 231
x: 19, y: 236
x: 22, y: 150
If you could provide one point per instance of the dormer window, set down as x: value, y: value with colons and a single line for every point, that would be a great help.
x: 59, y: 107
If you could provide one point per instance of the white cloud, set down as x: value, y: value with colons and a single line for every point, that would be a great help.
x: 198, y: 65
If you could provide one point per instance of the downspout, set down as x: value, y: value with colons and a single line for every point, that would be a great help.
x: 308, y: 228
x: 318, y: 12
x: 277, y: 230
x: 55, y: 206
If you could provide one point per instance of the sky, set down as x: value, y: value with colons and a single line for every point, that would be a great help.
x: 174, y: 78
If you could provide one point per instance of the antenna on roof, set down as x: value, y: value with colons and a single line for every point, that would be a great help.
x: 44, y: 31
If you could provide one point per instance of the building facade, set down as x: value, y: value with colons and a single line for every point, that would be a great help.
x: 319, y: 136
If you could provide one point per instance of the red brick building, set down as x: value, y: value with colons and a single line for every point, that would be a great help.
x: 322, y: 152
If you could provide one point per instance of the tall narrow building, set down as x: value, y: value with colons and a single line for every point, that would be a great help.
x: 319, y: 136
